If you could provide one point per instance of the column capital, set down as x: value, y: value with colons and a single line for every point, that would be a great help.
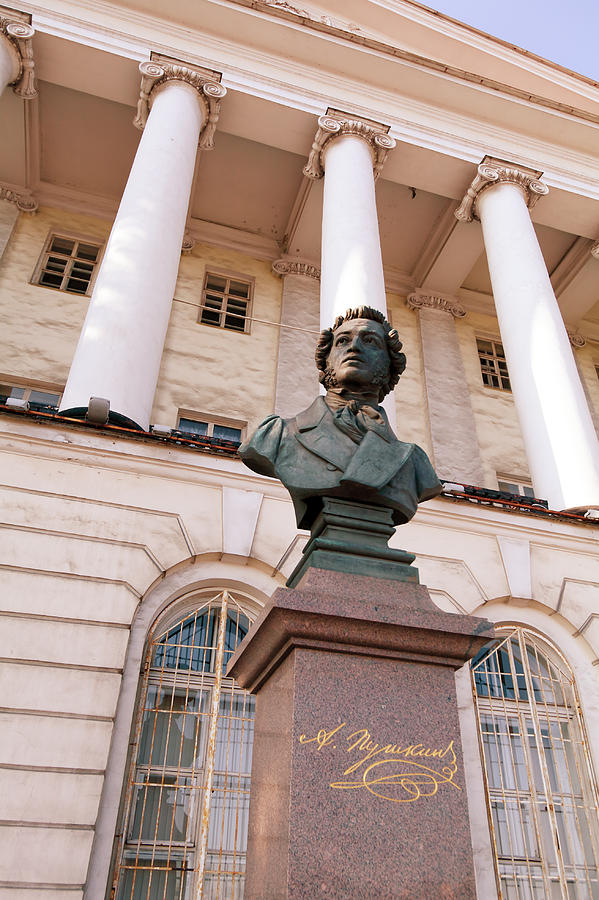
x: 296, y: 267
x: 156, y: 73
x: 494, y: 171
x: 334, y: 125
x: 576, y: 340
x: 595, y: 250
x: 23, y: 200
x: 17, y: 32
x: 430, y: 300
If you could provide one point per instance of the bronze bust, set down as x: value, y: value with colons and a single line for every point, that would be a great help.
x: 342, y: 446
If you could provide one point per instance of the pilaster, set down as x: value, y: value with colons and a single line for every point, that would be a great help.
x: 297, y: 381
x: 453, y: 429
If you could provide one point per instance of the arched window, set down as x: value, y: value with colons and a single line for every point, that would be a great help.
x: 186, y: 811
x: 541, y: 792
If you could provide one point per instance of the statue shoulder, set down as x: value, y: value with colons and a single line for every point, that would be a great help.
x: 427, y: 479
x: 260, y: 451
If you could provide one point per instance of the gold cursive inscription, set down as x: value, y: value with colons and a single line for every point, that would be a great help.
x: 400, y: 773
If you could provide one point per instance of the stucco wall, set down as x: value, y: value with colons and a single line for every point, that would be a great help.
x: 213, y: 370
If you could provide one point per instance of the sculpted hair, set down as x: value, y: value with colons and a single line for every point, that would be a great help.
x: 397, y: 359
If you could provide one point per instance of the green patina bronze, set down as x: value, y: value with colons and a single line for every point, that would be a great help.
x: 351, y: 480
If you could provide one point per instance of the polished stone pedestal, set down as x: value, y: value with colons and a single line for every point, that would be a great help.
x: 357, y: 778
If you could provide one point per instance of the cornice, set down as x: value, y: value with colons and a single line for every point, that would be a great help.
x: 430, y: 300
x: 129, y: 32
x: 491, y: 172
x: 17, y: 32
x: 332, y: 126
x: 296, y: 267
x: 155, y: 75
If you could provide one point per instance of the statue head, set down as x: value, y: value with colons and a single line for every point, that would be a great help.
x: 361, y: 347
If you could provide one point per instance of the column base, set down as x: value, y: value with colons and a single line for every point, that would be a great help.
x: 357, y: 778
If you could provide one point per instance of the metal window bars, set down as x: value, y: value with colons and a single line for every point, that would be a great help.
x: 68, y: 265
x: 187, y: 799
x: 541, y: 792
x: 225, y: 302
x: 493, y: 365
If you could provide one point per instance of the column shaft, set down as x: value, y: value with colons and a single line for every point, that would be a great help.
x: 120, y: 347
x: 561, y: 443
x: 351, y: 263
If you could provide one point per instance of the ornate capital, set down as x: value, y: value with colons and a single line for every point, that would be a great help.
x: 595, y: 250
x: 436, y: 301
x: 331, y: 127
x: 295, y: 267
x: 18, y: 35
x: 210, y: 92
x: 23, y: 200
x: 188, y: 243
x: 492, y: 171
x: 576, y: 340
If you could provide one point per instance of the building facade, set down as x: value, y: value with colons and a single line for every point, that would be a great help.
x: 186, y: 197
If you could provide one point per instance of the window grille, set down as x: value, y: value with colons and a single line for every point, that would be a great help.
x: 33, y: 396
x: 67, y: 264
x: 226, y: 302
x: 541, y: 793
x: 187, y: 802
x: 493, y: 366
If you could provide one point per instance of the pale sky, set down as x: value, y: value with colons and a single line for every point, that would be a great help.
x: 564, y: 31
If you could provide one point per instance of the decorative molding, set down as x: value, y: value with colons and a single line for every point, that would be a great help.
x: 18, y: 35
x: 420, y: 299
x: 331, y: 127
x: 295, y: 267
x: 493, y: 171
x: 23, y: 200
x: 188, y: 243
x: 595, y: 250
x: 210, y: 92
x: 577, y: 340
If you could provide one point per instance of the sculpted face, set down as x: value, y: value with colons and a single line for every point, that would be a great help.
x: 359, y: 358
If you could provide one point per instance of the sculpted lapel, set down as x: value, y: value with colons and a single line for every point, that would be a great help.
x: 375, y: 461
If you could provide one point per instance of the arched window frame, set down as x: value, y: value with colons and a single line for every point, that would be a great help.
x: 556, y: 881
x: 194, y: 602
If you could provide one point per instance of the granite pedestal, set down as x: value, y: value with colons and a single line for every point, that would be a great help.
x: 357, y: 779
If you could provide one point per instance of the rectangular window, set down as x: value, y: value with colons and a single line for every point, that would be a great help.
x: 67, y: 264
x: 36, y: 398
x: 493, y: 366
x: 206, y: 428
x: 512, y: 486
x: 226, y: 302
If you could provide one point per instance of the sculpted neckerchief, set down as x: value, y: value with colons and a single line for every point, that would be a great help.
x: 355, y: 418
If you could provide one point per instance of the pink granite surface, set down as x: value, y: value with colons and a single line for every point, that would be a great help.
x: 357, y: 781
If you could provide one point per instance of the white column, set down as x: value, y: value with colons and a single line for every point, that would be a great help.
x: 120, y: 347
x: 350, y: 154
x: 558, y: 432
x: 16, y: 56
